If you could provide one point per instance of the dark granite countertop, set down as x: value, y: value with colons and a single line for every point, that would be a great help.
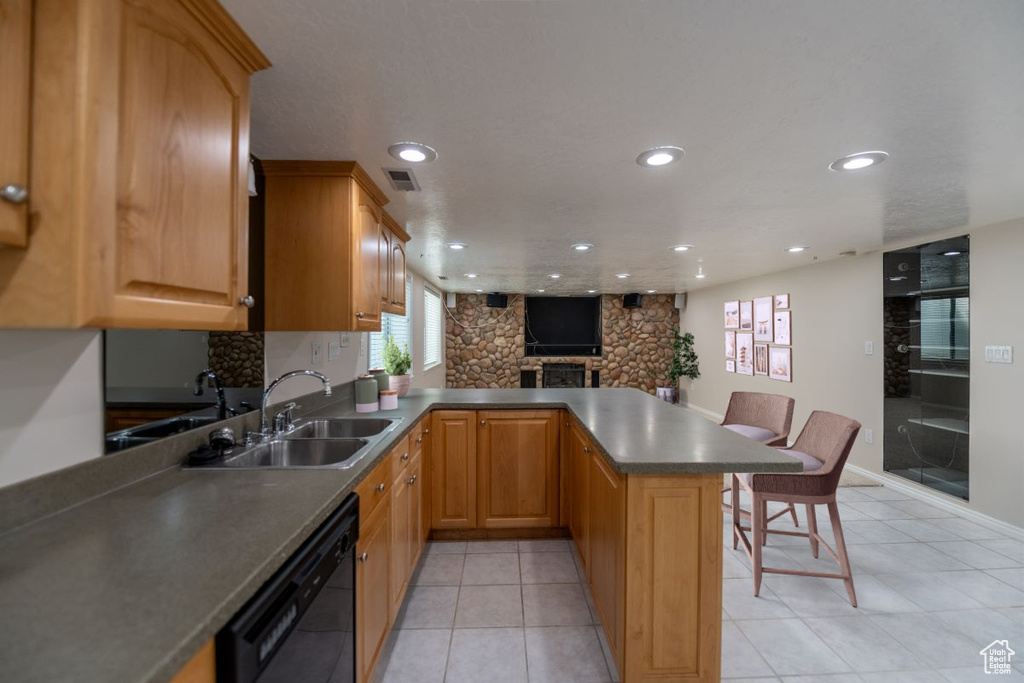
x: 127, y: 586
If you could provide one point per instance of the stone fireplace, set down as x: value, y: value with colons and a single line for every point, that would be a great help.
x: 564, y: 375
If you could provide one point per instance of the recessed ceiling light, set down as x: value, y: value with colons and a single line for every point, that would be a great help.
x: 470, y: 275
x: 651, y: 291
x: 457, y: 246
x: 555, y: 276
x: 583, y: 246
x: 622, y: 276
x: 660, y: 156
x: 591, y: 291
x: 682, y: 247
x: 952, y: 253
x: 413, y: 152
x: 479, y: 290
x: 700, y: 276
x: 541, y: 291
x: 795, y: 250
x: 855, y: 162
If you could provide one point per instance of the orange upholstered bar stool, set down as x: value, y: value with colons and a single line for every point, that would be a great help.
x: 823, y: 446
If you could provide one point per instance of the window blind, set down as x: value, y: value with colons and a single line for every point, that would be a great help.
x: 398, y: 326
x: 432, y: 325
x: 945, y: 325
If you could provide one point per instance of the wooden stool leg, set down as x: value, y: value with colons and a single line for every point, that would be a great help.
x: 812, y: 527
x: 792, y: 511
x: 756, y: 531
x: 735, y: 512
x: 844, y: 560
x: 764, y: 521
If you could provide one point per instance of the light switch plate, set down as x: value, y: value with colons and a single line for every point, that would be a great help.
x: 333, y: 350
x: 869, y: 348
x: 869, y: 436
x: 999, y: 354
x: 318, y: 353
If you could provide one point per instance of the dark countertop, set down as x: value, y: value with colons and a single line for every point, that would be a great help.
x: 128, y: 586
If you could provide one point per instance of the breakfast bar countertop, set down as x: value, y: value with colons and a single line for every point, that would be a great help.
x: 128, y: 585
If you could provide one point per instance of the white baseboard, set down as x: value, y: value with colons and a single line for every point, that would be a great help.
x: 939, y: 500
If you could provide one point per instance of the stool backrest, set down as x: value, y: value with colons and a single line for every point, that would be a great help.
x: 768, y: 411
x: 829, y: 438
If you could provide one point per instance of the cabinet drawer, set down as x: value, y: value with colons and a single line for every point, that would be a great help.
x: 375, y: 488
x: 399, y: 457
x: 416, y: 437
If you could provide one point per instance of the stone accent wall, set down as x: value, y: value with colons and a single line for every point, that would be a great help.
x: 486, y: 347
x: 898, y: 312
x: 237, y: 358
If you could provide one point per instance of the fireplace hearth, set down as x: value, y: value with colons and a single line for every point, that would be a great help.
x: 564, y: 375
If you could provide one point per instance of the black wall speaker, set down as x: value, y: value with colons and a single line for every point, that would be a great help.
x: 632, y: 300
x: 497, y: 300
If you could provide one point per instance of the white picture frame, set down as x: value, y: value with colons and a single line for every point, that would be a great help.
x: 782, y: 301
x: 763, y: 319
x: 730, y: 365
x: 783, y: 331
x: 746, y: 316
x: 780, y: 363
x: 731, y: 311
x: 730, y: 344
x: 745, y: 353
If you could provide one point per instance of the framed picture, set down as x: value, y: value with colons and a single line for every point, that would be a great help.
x: 732, y: 315
x: 745, y: 353
x: 730, y: 344
x: 730, y: 366
x: 746, y: 316
x: 783, y: 333
x: 782, y: 301
x: 780, y: 364
x: 760, y: 359
x: 763, y: 319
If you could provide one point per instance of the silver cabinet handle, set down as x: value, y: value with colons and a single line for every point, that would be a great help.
x: 426, y: 431
x: 405, y: 456
x: 483, y: 422
x: 364, y: 557
x: 394, y: 303
x: 360, y: 314
x: 15, y: 194
x: 380, y: 488
x: 419, y: 439
x: 586, y: 449
x: 411, y: 480
x: 247, y: 301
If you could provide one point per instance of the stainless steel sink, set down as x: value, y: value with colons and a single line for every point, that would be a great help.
x: 339, y: 428
x: 297, y: 453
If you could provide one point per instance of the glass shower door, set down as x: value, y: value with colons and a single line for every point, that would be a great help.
x: 927, y: 364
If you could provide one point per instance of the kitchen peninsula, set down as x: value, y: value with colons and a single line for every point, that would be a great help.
x: 635, y: 481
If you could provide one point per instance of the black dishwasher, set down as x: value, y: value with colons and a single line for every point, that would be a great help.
x: 300, y: 625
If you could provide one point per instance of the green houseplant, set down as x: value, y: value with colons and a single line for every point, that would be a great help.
x: 683, y: 364
x: 397, y: 363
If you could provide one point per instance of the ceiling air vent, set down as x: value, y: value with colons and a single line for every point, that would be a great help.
x: 402, y: 179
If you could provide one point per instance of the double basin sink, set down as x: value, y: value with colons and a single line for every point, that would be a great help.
x: 336, y: 443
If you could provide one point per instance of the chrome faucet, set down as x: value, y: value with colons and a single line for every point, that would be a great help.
x: 223, y: 409
x: 265, y: 431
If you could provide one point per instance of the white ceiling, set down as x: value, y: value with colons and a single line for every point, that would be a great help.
x: 538, y: 108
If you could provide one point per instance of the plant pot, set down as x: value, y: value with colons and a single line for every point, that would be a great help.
x: 401, y: 384
x: 667, y: 394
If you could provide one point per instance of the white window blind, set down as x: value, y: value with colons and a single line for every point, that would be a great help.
x: 432, y: 324
x: 398, y: 326
x: 945, y: 328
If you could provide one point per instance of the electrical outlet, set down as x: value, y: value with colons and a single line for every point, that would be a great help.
x: 333, y: 350
x: 344, y: 340
x: 869, y: 348
x: 318, y: 353
x: 869, y: 436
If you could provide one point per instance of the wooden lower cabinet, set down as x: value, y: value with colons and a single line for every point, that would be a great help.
x: 406, y: 530
x: 373, y: 605
x: 579, y: 486
x: 453, y: 479
x: 202, y: 668
x: 606, y: 533
x: 517, y: 468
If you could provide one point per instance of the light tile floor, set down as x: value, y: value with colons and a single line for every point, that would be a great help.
x: 932, y: 589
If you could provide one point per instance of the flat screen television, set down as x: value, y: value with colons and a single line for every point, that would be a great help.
x: 563, y: 326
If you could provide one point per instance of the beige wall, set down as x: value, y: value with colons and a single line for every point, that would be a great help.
x: 837, y: 306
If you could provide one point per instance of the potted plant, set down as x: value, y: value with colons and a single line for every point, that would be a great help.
x: 684, y: 364
x: 397, y: 363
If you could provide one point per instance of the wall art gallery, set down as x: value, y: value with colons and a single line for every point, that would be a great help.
x: 759, y: 337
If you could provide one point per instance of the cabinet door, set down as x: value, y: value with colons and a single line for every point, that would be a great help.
x: 564, y: 458
x: 397, y: 264
x: 453, y: 469
x: 517, y: 465
x: 169, y: 246
x: 372, y: 578
x: 385, y: 268
x: 366, y: 264
x: 416, y: 520
x: 606, y: 533
x: 401, y: 516
x: 579, y: 468
x: 15, y: 91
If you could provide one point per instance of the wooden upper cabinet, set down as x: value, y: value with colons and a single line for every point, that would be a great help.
x: 138, y: 153
x: 323, y: 246
x: 453, y: 469
x: 517, y: 468
x: 15, y: 93
x: 393, y: 263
